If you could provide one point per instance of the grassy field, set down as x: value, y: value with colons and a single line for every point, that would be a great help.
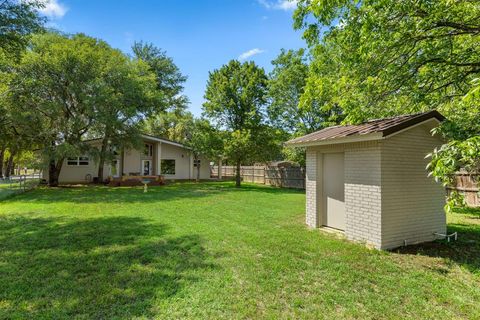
x: 213, y: 251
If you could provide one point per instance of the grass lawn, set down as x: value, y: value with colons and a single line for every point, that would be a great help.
x: 213, y: 251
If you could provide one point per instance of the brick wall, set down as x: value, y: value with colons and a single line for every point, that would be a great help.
x: 363, y: 199
x: 311, y: 188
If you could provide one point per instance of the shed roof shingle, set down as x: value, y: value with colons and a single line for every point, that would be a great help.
x: 386, y: 127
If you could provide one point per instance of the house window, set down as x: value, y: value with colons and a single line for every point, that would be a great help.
x: 78, y: 161
x: 148, y: 150
x: 168, y: 166
x: 196, y: 162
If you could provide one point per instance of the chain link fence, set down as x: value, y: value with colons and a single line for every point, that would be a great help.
x: 18, y: 184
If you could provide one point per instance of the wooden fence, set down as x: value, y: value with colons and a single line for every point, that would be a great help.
x: 468, y: 184
x: 292, y: 177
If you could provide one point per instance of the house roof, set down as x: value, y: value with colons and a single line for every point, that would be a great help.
x: 370, y: 130
x: 154, y: 138
x: 163, y: 140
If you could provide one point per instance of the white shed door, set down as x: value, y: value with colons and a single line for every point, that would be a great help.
x: 333, y: 191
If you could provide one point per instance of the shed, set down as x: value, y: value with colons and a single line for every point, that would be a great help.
x: 370, y: 180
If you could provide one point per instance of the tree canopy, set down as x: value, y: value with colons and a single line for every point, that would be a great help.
x: 18, y: 20
x: 67, y: 86
x: 398, y: 56
x: 236, y: 96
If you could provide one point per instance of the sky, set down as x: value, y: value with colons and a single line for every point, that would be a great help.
x: 200, y: 35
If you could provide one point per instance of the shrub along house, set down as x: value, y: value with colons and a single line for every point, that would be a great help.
x: 370, y: 180
x: 159, y: 157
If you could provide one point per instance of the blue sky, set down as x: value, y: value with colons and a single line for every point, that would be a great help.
x: 200, y: 35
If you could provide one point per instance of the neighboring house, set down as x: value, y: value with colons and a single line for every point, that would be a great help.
x: 159, y: 156
x: 370, y: 180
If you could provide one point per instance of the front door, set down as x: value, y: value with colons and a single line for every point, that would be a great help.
x: 333, y: 191
x: 115, y: 169
x: 146, y: 167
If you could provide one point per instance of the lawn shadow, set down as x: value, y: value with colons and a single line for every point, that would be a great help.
x: 95, y: 268
x: 172, y: 192
x: 465, y: 251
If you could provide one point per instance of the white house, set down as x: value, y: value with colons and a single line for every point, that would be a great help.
x: 370, y: 180
x: 159, y: 157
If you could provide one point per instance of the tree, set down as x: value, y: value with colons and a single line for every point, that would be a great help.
x: 129, y: 95
x: 18, y: 19
x: 171, y: 124
x: 398, y: 56
x: 235, y: 99
x: 169, y: 78
x: 204, y: 140
x: 291, y: 108
x: 298, y: 103
x: 60, y: 89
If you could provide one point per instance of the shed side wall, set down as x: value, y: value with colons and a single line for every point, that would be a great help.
x: 412, y: 202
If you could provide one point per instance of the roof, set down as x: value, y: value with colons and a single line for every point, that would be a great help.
x: 370, y: 130
x: 154, y: 138
x: 164, y: 140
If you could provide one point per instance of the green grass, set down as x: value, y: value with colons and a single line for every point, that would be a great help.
x: 213, y: 251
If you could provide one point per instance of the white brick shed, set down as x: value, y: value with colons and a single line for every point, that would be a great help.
x: 370, y: 180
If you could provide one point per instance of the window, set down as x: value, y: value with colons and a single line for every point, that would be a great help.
x: 168, y: 166
x: 78, y: 161
x: 196, y: 162
x: 148, y: 151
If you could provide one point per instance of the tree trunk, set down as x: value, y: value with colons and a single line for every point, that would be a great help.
x: 237, y: 176
x: 54, y: 170
x: 9, y: 168
x: 2, y: 159
x: 101, y: 161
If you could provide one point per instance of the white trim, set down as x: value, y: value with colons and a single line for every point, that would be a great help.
x: 78, y: 161
x: 164, y: 141
x: 142, y: 173
x: 350, y: 139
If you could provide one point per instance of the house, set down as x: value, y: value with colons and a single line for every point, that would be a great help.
x: 370, y: 180
x: 159, y: 157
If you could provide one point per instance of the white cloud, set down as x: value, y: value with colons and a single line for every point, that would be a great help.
x: 53, y: 9
x: 285, y: 5
x: 250, y: 53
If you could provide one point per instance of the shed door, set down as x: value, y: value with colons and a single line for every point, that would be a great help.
x: 333, y: 191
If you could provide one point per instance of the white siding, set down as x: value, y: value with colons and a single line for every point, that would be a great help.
x: 412, y: 203
x: 132, y: 162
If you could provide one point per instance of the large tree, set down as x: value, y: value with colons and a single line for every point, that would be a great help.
x: 64, y: 86
x: 395, y: 57
x: 399, y: 56
x: 290, y: 107
x: 171, y: 124
x: 169, y: 78
x: 203, y: 140
x: 235, y: 101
